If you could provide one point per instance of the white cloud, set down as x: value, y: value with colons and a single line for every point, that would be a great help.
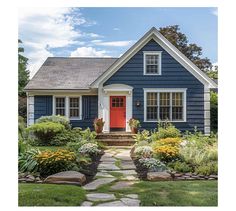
x: 115, y: 43
x: 116, y: 29
x: 89, y: 52
x: 93, y: 35
x: 44, y: 28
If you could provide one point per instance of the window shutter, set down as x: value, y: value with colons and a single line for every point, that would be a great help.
x: 86, y: 107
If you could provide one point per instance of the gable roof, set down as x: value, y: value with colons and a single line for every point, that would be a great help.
x: 59, y: 73
x: 154, y: 34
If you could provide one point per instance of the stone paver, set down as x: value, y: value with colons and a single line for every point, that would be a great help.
x: 122, y: 184
x: 104, y: 174
x: 97, y: 183
x: 107, y: 166
x: 132, y: 196
x: 100, y: 197
x: 127, y: 165
x: 130, y: 202
x: 87, y: 204
x: 127, y: 172
x: 112, y: 204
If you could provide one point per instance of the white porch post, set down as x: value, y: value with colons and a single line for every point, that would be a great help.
x: 30, y: 109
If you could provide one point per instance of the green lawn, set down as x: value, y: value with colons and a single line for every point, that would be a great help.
x: 50, y: 195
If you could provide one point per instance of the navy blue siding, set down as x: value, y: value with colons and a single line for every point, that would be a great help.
x: 89, y: 112
x: 174, y: 75
x: 42, y: 106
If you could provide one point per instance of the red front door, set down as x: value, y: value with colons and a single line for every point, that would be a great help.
x: 117, y: 111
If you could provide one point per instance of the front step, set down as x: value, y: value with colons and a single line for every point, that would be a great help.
x: 115, y: 136
x: 117, y: 142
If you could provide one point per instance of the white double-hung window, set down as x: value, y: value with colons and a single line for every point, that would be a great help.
x: 164, y: 105
x: 152, y: 62
x: 69, y: 106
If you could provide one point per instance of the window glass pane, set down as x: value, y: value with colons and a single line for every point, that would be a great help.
x: 152, y: 69
x: 177, y: 106
x: 151, y: 113
x: 152, y: 99
x: 164, y: 99
x: 151, y: 59
x: 60, y: 106
x: 177, y: 113
x: 164, y: 106
x: 74, y: 107
x: 177, y: 99
x: 152, y: 64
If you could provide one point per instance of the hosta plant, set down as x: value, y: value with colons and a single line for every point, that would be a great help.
x: 143, y: 151
x: 89, y: 149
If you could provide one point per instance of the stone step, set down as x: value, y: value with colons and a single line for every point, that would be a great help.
x: 117, y: 142
x: 115, y: 136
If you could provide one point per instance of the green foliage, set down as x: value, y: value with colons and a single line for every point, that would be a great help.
x: 46, y: 131
x: 51, y: 162
x: 23, y: 73
x: 88, y: 135
x: 142, y: 136
x: 167, y: 130
x: 74, y: 146
x: 180, y: 166
x: 22, y: 106
x: 214, y: 111
x: 190, y: 50
x: 21, y: 128
x: 207, y: 168
x: 152, y: 164
x: 27, y: 161
x: 23, y: 146
x: 143, y: 152
x: 56, y: 119
x: 61, y: 139
x: 89, y: 149
x: 134, y: 123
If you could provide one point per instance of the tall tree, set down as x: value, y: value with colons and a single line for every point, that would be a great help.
x: 23, y: 73
x: 190, y: 50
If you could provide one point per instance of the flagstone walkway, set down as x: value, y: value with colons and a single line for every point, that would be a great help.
x: 116, y: 172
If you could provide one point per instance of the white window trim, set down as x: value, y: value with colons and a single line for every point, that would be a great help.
x: 158, y: 90
x: 67, y: 106
x: 145, y: 53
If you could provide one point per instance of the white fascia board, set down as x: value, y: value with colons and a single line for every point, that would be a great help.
x: 171, y: 49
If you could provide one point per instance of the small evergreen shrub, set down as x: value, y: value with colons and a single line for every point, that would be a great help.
x: 88, y: 135
x: 89, y: 149
x: 56, y: 119
x: 142, y: 136
x: 46, y: 131
x: 74, y: 146
x: 180, y: 166
x: 207, y: 168
x: 170, y: 131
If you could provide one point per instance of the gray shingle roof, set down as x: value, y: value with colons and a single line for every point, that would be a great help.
x: 68, y: 73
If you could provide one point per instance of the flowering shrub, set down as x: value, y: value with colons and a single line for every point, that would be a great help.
x: 142, y: 136
x: 167, y: 131
x: 143, y: 152
x: 89, y: 149
x: 51, y: 162
x: 152, y: 164
x: 134, y: 123
x: 167, y: 149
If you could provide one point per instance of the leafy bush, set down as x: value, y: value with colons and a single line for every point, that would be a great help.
x: 142, y: 136
x: 51, y: 162
x: 167, y: 131
x: 74, y: 146
x: 46, y: 131
x: 89, y: 149
x: 88, y: 135
x: 134, y: 123
x: 56, y: 119
x: 27, y: 161
x: 167, y: 149
x: 152, y: 164
x: 66, y: 136
x: 143, y: 152
x: 23, y: 146
x: 207, y: 168
x: 214, y: 111
x: 180, y: 166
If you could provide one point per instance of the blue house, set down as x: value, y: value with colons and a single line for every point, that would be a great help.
x: 152, y: 81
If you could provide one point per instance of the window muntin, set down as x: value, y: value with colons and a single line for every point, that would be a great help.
x: 152, y: 106
x: 164, y: 106
x: 60, y: 106
x: 152, y: 63
x: 117, y: 102
x: 74, y: 107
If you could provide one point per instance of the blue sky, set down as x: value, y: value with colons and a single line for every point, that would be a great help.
x: 108, y: 31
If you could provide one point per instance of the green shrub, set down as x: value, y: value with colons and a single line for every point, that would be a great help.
x: 207, y: 168
x: 89, y: 149
x: 167, y: 131
x: 141, y: 136
x: 214, y: 111
x: 152, y: 164
x: 88, y: 135
x: 56, y: 119
x: 143, y: 152
x: 27, y: 161
x: 61, y: 139
x: 46, y: 131
x: 51, y: 162
x: 74, y: 146
x: 22, y: 146
x: 180, y: 167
